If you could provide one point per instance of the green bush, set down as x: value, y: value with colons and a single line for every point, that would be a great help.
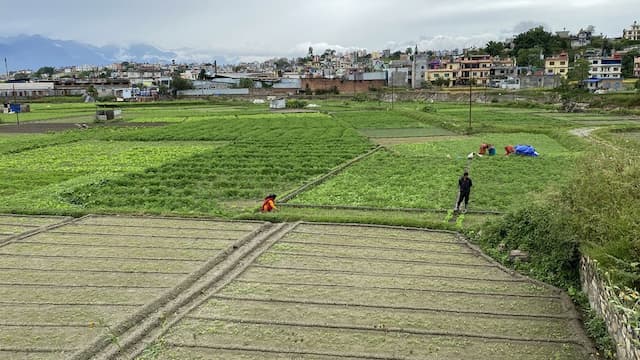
x: 603, y: 209
x: 361, y: 97
x: 296, y: 104
x: 541, y: 231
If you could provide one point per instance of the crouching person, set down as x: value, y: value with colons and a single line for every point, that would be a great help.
x: 269, y: 203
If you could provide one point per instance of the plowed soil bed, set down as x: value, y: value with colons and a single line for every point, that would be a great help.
x: 65, y: 287
x: 338, y: 291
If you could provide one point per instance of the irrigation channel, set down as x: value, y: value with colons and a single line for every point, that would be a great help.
x: 115, y: 287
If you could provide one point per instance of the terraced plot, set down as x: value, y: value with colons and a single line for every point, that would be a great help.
x: 12, y: 225
x: 78, y: 284
x: 365, y: 292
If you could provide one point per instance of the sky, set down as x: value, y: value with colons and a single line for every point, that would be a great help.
x: 268, y: 28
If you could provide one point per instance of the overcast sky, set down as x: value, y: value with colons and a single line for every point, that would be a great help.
x: 256, y: 28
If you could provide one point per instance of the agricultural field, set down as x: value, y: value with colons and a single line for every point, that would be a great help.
x: 327, y: 291
x: 66, y: 112
x: 424, y: 175
x: 36, y: 180
x: 264, y: 154
x: 196, y: 166
x: 221, y: 159
x: 71, y: 285
x: 13, y: 225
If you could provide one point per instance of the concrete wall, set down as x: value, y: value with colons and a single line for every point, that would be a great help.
x: 602, y: 299
x: 535, y: 81
x: 344, y: 86
x: 211, y: 92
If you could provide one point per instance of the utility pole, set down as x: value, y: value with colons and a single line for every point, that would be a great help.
x: 470, y: 97
x: 392, y: 87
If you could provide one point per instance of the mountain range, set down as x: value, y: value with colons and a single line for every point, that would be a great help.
x: 35, y: 51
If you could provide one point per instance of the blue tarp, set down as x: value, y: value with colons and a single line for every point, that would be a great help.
x: 526, y: 150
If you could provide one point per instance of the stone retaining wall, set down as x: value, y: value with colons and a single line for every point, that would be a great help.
x: 600, y: 296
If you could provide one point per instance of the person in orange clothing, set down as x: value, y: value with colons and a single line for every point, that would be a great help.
x: 483, y: 149
x: 269, y: 203
x: 509, y: 149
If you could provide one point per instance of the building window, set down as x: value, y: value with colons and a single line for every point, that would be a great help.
x: 562, y: 62
x: 551, y: 63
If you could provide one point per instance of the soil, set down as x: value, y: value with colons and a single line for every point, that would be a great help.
x: 312, y: 291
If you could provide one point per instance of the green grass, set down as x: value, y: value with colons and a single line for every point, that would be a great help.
x: 47, y: 111
x: 425, y: 175
x: 35, y: 180
x: 404, y: 132
x: 378, y: 119
x: 272, y: 153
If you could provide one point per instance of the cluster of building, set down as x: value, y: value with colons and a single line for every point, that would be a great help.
x: 331, y: 72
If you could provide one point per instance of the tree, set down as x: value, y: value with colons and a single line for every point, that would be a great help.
x: 494, y: 48
x: 310, y: 51
x: 21, y: 76
x: 246, y: 83
x: 580, y: 70
x: 282, y: 64
x: 627, y: 63
x: 178, y: 83
x: 530, y: 57
x: 409, y: 51
x: 441, y: 82
x: 202, y: 75
x: 539, y: 38
x: 91, y: 91
x: 533, y: 38
x: 45, y: 70
x: 163, y: 90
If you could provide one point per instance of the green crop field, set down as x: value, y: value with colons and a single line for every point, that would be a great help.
x: 222, y: 158
x: 264, y: 154
x: 36, y: 180
x: 425, y: 175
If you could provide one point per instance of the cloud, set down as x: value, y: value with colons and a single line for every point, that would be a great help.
x: 524, y: 26
x: 269, y: 28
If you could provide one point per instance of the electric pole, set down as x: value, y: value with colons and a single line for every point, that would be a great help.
x: 470, y: 97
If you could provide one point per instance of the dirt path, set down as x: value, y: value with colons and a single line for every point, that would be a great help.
x: 586, y: 133
x: 582, y: 132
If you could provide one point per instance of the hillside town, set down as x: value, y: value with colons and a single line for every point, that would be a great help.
x: 585, y: 58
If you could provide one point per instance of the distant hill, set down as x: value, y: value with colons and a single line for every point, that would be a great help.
x: 35, y: 51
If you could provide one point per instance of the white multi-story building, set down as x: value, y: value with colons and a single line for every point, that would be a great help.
x: 605, y: 68
x: 636, y: 66
x: 605, y: 73
x: 633, y: 32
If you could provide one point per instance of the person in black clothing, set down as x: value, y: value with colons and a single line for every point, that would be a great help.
x: 464, y: 185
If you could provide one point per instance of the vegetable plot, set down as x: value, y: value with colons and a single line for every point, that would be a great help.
x: 425, y: 175
x: 62, y: 289
x: 351, y: 299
